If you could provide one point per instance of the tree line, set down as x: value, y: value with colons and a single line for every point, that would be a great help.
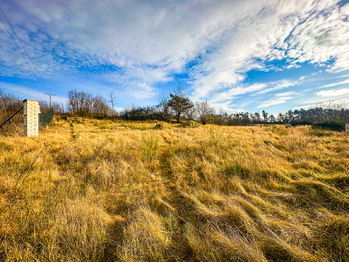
x: 176, y: 107
x: 179, y: 106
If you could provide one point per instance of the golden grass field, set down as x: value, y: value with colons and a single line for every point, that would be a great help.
x: 97, y: 190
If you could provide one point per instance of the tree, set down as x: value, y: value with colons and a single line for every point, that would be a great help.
x: 163, y: 108
x: 57, y: 107
x: 281, y: 118
x: 204, y: 111
x: 265, y: 116
x: 112, y: 99
x: 9, y: 102
x: 99, y: 106
x: 85, y: 104
x: 179, y: 102
x: 79, y: 102
x: 289, y: 115
x: 257, y: 117
x: 191, y: 113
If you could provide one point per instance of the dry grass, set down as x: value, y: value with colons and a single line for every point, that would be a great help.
x: 12, y: 127
x: 89, y: 190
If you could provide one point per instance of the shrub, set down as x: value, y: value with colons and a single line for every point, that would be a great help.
x: 159, y: 127
x: 319, y: 133
x: 190, y: 124
x: 279, y: 130
x: 334, y: 125
x: 301, y: 122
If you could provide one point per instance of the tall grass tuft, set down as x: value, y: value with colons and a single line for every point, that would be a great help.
x: 149, y: 146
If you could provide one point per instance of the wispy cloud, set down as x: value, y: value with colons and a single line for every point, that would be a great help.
x: 279, y: 85
x: 137, y: 45
x: 307, y: 31
x: 27, y: 93
x: 336, y: 84
x: 279, y: 98
x: 333, y: 93
x: 235, y: 91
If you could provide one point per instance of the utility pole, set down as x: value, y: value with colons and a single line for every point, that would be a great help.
x: 112, y: 98
x: 50, y: 98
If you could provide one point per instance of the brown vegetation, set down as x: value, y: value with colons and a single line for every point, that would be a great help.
x: 9, y: 105
x: 97, y: 190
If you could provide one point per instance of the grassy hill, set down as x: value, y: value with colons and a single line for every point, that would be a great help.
x: 96, y: 190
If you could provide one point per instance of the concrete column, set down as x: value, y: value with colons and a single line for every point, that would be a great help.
x: 31, y: 117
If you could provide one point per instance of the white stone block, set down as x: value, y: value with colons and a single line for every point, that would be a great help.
x: 31, y: 118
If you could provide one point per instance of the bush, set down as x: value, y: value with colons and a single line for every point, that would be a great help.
x: 319, y: 133
x: 330, y: 125
x: 301, y: 122
x: 190, y: 124
x: 159, y: 126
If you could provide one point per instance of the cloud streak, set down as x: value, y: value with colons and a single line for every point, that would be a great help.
x: 29, y: 93
x: 336, y: 84
x: 333, y: 93
x: 279, y: 98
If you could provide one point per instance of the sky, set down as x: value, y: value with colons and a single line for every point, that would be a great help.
x: 240, y: 55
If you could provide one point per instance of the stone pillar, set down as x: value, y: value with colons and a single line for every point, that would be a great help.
x: 31, y: 117
x: 347, y: 128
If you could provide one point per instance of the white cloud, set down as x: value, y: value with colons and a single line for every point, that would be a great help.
x: 336, y: 84
x: 235, y: 91
x: 27, y: 93
x: 333, y: 93
x: 301, y: 31
x: 227, y: 107
x: 279, y: 85
x: 279, y: 98
x: 304, y: 107
x: 148, y: 42
x: 273, y: 102
x: 291, y: 93
x: 323, y: 103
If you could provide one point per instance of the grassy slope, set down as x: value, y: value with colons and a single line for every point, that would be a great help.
x: 101, y: 191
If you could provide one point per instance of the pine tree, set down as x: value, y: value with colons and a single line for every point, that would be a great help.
x: 179, y: 102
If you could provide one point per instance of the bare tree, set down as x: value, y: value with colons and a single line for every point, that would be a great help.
x: 163, y: 107
x: 112, y: 98
x: 99, y: 106
x: 204, y: 111
x: 332, y: 104
x: 84, y: 104
x: 57, y: 107
x: 191, y: 113
x: 79, y: 102
x: 9, y: 102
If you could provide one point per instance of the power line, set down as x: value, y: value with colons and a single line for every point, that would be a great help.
x: 23, y: 48
x: 19, y: 50
x: 18, y: 65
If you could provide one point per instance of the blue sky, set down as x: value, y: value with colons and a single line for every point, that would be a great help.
x: 239, y: 55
